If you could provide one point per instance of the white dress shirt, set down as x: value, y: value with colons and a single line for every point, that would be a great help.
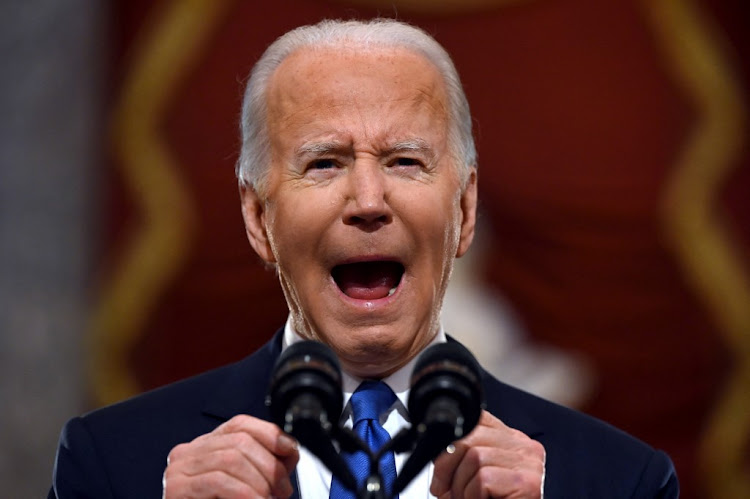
x: 314, y: 479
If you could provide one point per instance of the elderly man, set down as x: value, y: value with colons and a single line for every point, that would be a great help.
x: 358, y: 184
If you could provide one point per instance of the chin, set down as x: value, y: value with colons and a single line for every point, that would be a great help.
x: 375, y: 354
x: 367, y: 370
x: 369, y: 356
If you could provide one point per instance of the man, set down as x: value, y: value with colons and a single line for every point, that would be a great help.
x: 358, y: 184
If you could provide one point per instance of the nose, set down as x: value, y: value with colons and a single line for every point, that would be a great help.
x: 367, y: 198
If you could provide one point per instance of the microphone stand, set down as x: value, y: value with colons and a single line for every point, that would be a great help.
x: 424, y: 445
x: 304, y: 423
x: 373, y: 487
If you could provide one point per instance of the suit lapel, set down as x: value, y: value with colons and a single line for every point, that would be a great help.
x: 244, y: 390
x: 505, y: 403
x: 508, y: 404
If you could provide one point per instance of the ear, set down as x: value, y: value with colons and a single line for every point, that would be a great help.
x: 254, y: 214
x: 469, y: 213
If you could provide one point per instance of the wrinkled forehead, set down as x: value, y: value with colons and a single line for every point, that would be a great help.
x: 334, y: 69
x: 322, y: 77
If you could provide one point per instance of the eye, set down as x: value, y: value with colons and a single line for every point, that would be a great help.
x: 322, y: 164
x: 403, y: 161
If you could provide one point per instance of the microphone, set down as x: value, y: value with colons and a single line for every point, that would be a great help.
x: 445, y: 403
x: 305, y: 401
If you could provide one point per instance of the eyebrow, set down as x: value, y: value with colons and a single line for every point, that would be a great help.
x: 324, y: 148
x: 320, y: 148
x: 410, y: 145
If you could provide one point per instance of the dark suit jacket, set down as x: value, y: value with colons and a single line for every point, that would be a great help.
x: 120, y: 451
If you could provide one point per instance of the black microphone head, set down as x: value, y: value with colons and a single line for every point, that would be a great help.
x: 447, y: 371
x: 308, y: 368
x: 445, y: 403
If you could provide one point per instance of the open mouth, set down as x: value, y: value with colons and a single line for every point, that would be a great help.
x: 368, y: 280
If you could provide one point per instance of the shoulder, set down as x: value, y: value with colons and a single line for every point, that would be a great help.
x: 134, y: 437
x: 219, y: 394
x: 586, y: 457
x: 160, y: 405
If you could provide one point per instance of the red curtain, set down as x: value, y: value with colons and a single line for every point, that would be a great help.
x: 585, y: 118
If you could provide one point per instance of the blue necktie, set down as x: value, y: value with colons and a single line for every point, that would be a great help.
x: 371, y: 399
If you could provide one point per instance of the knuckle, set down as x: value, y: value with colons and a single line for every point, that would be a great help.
x: 228, y: 459
x: 279, y: 472
x: 241, y: 439
x: 528, y: 482
x: 209, y: 483
x: 177, y: 452
x: 263, y: 489
x: 276, y: 473
x: 485, y: 478
x: 237, y: 423
x: 536, y: 449
x: 206, y: 482
x: 170, y: 475
x: 474, y: 457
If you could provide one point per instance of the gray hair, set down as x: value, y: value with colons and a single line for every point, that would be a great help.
x: 254, y: 161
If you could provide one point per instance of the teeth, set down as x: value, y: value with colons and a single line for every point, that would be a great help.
x: 393, y: 290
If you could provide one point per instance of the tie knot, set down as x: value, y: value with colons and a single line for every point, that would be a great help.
x: 370, y: 400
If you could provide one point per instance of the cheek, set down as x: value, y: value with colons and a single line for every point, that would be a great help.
x: 440, y: 235
x: 295, y: 230
x: 447, y: 224
x: 280, y: 226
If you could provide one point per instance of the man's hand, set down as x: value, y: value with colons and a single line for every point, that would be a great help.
x: 492, y: 461
x: 245, y: 457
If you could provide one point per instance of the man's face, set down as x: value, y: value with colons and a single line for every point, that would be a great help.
x: 363, y: 212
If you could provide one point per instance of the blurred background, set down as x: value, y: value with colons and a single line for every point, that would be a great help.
x: 612, y: 272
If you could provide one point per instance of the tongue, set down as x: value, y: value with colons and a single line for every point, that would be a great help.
x: 367, y: 281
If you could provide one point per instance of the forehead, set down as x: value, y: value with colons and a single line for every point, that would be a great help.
x: 315, y: 61
x: 322, y: 80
